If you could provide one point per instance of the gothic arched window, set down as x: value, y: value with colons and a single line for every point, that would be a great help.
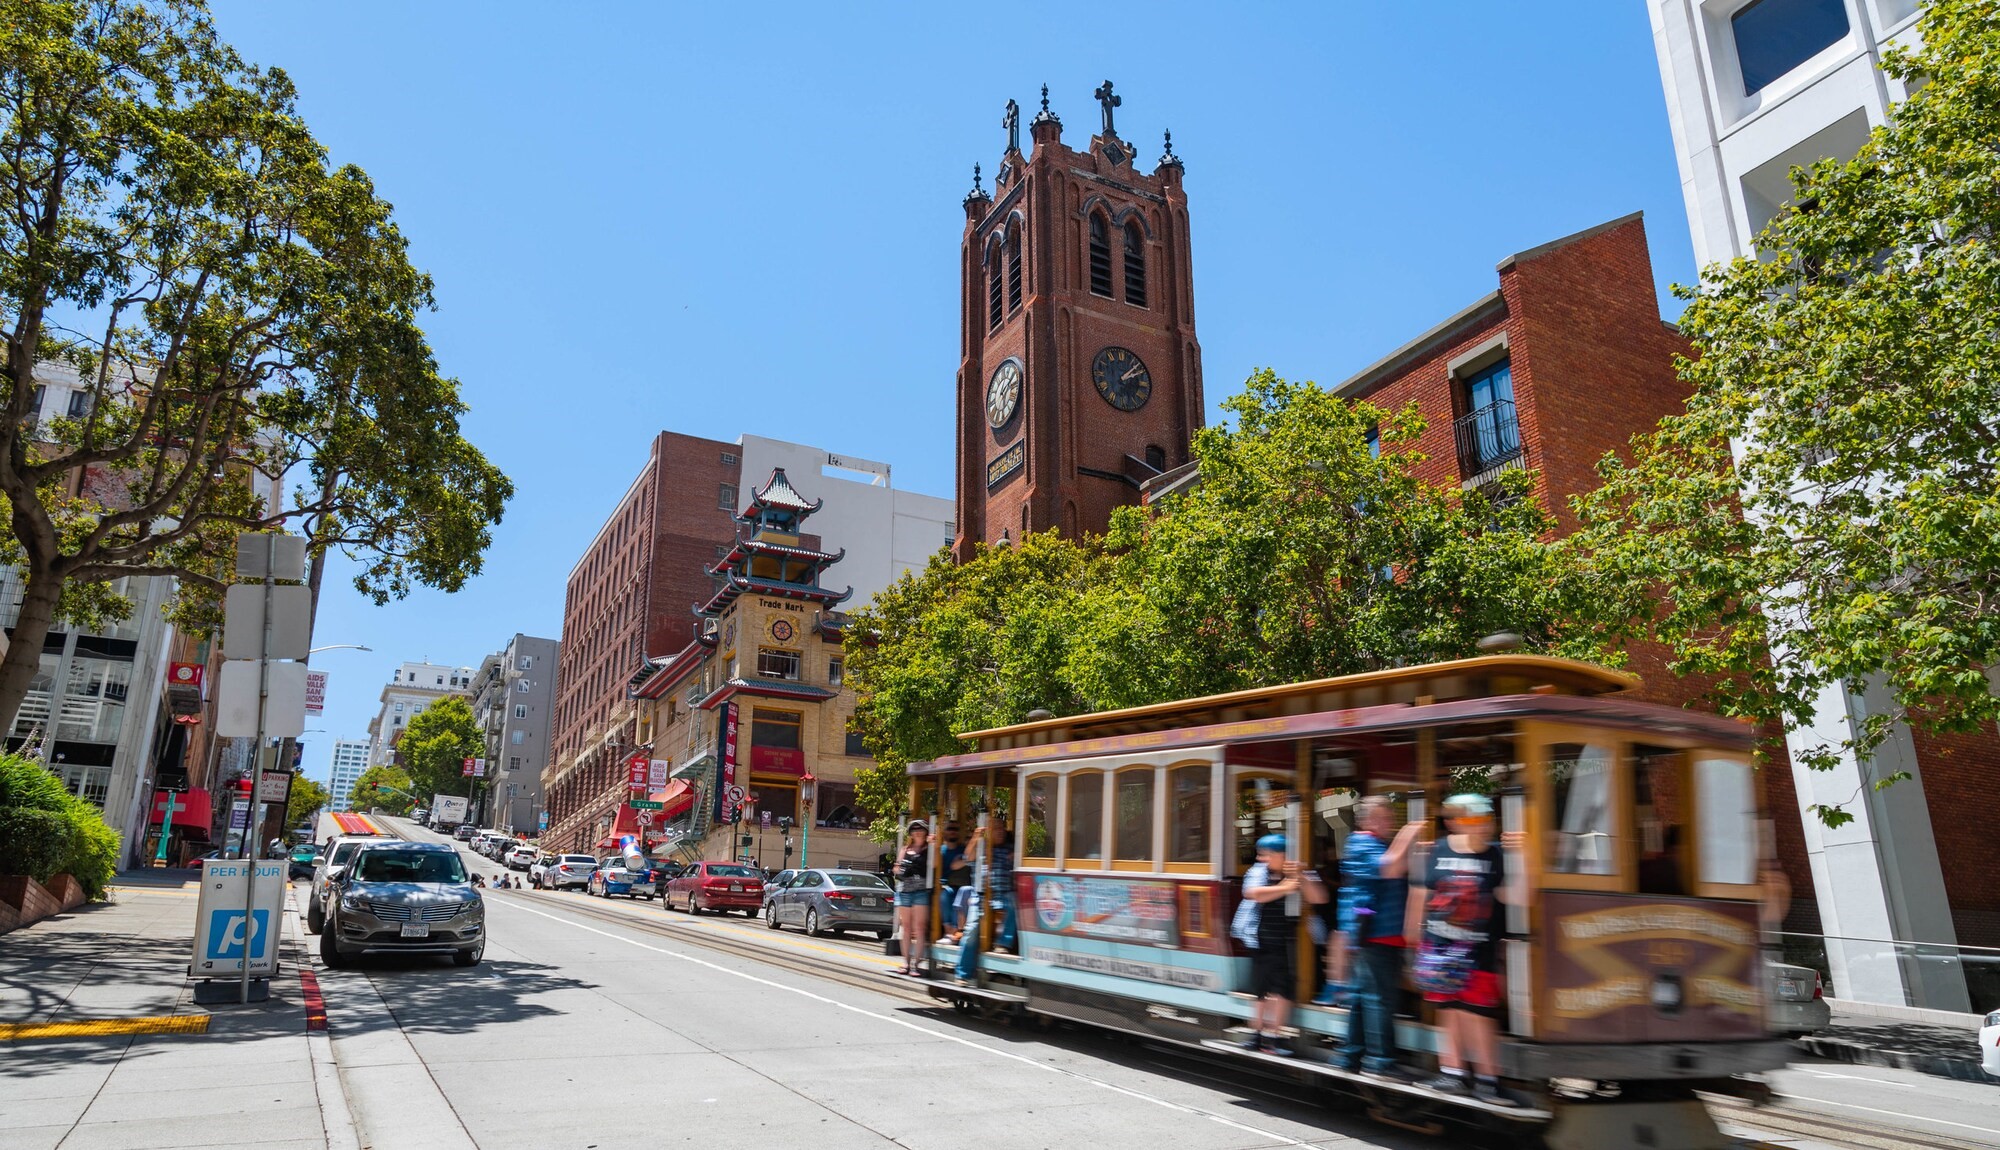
x: 1013, y: 271
x: 1100, y: 256
x: 1135, y: 264
x: 993, y: 308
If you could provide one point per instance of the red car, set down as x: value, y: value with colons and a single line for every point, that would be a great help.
x: 718, y: 886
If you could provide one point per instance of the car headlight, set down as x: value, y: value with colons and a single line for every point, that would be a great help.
x: 350, y: 900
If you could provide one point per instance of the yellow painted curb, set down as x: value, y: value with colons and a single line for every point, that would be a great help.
x: 106, y: 1027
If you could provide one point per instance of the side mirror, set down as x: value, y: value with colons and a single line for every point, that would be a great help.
x: 336, y: 875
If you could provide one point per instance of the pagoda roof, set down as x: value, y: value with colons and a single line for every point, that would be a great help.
x: 739, y: 584
x: 764, y: 689
x: 745, y: 548
x: 779, y: 492
x: 659, y: 675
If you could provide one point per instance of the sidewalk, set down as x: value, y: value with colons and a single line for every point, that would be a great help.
x: 120, y: 1056
x: 1946, y: 1050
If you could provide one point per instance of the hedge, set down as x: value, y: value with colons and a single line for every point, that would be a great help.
x: 45, y: 830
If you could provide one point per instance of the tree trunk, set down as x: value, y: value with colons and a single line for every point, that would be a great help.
x: 24, y: 646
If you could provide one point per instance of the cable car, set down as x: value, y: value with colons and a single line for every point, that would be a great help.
x: 1632, y: 968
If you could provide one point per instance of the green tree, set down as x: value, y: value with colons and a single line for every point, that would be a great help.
x: 308, y: 799
x: 436, y: 744
x: 1309, y: 548
x: 386, y: 787
x: 240, y: 313
x: 1826, y: 512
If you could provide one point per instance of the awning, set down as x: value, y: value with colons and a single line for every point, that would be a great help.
x: 191, y: 809
x: 678, y: 797
x: 625, y: 823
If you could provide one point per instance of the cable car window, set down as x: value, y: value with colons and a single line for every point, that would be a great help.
x: 1586, y: 820
x: 1726, y: 797
x: 1262, y: 807
x: 1036, y: 839
x: 1133, y: 840
x: 1187, y: 833
x: 1085, y: 842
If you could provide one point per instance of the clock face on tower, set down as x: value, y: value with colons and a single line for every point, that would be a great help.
x: 1121, y: 379
x: 1003, y: 393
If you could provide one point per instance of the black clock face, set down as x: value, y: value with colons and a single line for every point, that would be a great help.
x: 1121, y: 379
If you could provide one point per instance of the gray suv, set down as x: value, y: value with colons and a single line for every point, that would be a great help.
x: 412, y: 898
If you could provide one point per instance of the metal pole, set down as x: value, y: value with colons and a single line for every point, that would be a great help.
x: 806, y: 845
x: 256, y: 811
x: 166, y: 828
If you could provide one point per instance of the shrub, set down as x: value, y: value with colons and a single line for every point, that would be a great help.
x: 45, y: 830
x: 33, y: 843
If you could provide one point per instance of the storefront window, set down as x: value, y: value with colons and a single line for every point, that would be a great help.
x: 93, y: 705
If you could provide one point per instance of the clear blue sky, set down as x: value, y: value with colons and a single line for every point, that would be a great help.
x: 720, y: 218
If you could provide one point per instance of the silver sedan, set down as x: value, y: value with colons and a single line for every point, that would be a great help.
x: 821, y: 901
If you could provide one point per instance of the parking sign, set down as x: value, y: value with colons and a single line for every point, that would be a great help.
x: 223, y: 932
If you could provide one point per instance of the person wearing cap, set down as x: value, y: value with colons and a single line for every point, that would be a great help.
x: 1267, y: 922
x: 1458, y: 955
x: 913, y: 895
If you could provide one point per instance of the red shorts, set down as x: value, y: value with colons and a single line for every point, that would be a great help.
x: 1481, y: 992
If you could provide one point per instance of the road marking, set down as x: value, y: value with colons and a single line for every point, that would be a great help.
x: 106, y: 1027
x: 1856, y: 1077
x: 1890, y: 1113
x: 315, y: 1002
x: 1168, y: 1104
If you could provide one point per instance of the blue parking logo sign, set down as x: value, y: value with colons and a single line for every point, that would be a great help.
x: 225, y: 935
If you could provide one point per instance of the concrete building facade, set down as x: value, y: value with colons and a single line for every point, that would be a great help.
x: 350, y: 758
x: 513, y: 701
x: 1754, y: 89
x: 634, y: 592
x: 413, y: 687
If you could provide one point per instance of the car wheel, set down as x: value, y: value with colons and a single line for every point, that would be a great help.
x: 812, y: 922
x: 330, y: 954
x: 771, y: 917
x: 883, y: 935
x: 694, y: 905
x: 315, y: 921
x: 471, y: 956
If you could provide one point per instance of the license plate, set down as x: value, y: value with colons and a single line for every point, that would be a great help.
x: 416, y: 930
x: 736, y: 887
x: 1789, y: 987
x: 865, y: 901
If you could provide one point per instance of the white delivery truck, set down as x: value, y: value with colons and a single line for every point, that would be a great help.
x: 447, y: 811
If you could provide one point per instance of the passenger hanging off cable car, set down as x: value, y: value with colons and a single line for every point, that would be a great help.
x: 1458, y: 960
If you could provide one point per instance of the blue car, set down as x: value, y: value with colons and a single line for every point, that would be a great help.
x: 612, y: 876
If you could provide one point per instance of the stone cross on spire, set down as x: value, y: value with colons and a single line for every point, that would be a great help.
x: 1107, y: 101
x: 1012, y: 122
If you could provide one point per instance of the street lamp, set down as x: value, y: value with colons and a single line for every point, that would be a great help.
x: 339, y: 647
x: 807, y: 785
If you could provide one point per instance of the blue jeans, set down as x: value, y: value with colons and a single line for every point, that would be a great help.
x: 1377, y: 975
x: 1003, y: 935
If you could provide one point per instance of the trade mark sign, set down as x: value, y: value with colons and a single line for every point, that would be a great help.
x: 1006, y: 464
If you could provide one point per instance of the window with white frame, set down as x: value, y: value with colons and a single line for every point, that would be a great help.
x: 1775, y: 36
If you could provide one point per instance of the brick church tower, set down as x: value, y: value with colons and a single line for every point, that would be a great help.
x: 1079, y: 374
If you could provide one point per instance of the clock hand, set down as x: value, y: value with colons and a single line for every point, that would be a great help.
x: 1135, y: 369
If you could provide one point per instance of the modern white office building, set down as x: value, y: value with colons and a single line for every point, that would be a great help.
x: 350, y: 758
x: 1755, y: 88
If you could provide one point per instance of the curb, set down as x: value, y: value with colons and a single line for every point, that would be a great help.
x: 336, y: 1111
x: 1841, y: 1050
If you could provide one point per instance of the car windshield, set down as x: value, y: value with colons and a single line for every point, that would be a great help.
x: 860, y: 880
x: 727, y: 871
x: 410, y: 866
x: 343, y: 852
x: 586, y: 859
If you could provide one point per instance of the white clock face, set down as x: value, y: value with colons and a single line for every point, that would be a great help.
x: 1003, y: 393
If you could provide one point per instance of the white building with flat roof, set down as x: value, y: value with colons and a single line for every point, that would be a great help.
x: 413, y: 687
x: 350, y: 758
x: 1755, y: 88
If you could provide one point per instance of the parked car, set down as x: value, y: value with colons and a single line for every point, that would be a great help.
x: 772, y: 884
x: 489, y: 843
x: 828, y: 900
x: 1989, y: 1045
x: 1796, y: 1004
x: 521, y: 856
x: 421, y: 816
x: 405, y: 897
x: 305, y: 860
x: 569, y: 871
x: 463, y: 832
x: 665, y: 871
x: 538, y: 869
x: 612, y: 876
x: 340, y: 851
x: 718, y: 886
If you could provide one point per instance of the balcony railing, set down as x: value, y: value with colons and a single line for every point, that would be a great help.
x: 1488, y: 439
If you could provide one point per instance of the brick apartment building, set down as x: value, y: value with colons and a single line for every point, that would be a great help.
x: 1566, y: 359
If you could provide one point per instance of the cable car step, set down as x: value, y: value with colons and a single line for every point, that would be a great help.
x: 946, y: 991
x: 1514, y: 1113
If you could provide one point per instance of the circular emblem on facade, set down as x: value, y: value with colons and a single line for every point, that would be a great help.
x: 1121, y: 378
x: 1003, y: 393
x: 781, y: 629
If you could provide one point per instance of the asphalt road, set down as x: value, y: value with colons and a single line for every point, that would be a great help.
x: 597, y: 1023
